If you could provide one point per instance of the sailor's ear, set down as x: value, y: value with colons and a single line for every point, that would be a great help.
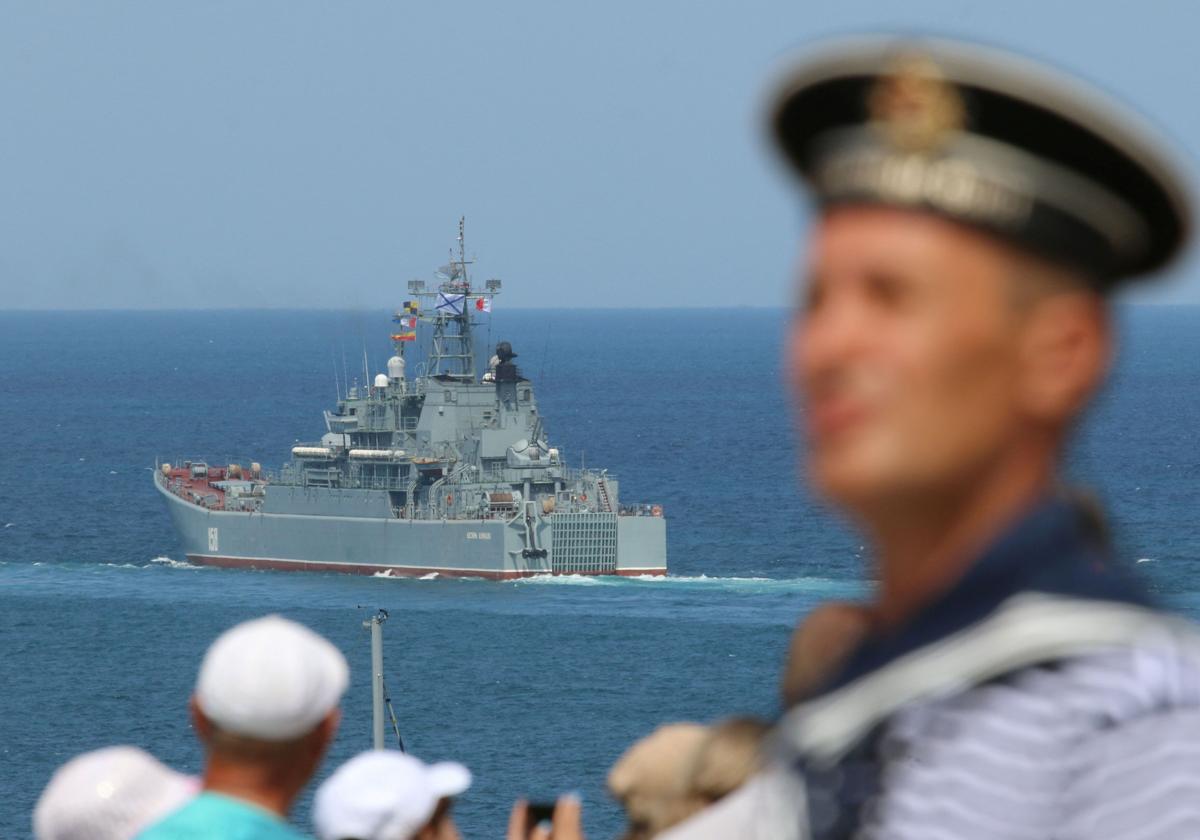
x: 329, y: 725
x: 321, y: 737
x: 1066, y: 349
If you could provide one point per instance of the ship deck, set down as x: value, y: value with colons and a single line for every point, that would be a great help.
x: 209, y: 489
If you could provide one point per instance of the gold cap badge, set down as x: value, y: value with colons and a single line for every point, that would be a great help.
x: 914, y: 106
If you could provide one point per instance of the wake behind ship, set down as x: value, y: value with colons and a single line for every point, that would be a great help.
x: 445, y: 473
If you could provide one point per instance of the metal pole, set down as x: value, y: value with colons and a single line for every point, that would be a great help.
x: 376, y: 625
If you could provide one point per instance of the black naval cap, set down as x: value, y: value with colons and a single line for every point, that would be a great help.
x: 989, y: 140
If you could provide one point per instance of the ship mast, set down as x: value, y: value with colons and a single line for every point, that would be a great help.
x: 452, y: 350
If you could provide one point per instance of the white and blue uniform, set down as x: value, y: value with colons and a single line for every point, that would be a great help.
x: 1041, y: 697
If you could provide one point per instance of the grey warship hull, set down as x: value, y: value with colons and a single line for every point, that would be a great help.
x: 446, y: 472
x: 339, y: 540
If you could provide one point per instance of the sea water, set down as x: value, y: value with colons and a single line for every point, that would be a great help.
x: 537, y: 685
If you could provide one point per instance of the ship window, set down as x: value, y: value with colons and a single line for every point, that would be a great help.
x: 353, y: 411
x: 525, y: 394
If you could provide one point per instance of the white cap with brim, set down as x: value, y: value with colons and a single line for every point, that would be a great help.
x: 109, y: 794
x: 384, y: 795
x: 270, y: 679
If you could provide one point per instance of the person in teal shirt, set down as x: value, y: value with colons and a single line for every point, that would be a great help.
x: 265, y: 708
x: 216, y: 815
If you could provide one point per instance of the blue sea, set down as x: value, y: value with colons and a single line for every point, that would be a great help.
x: 538, y: 685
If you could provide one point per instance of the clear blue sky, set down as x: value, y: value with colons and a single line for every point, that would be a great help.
x: 245, y: 154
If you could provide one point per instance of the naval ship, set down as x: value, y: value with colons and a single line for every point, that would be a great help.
x: 445, y: 473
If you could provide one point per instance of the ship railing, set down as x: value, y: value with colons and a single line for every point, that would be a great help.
x: 585, y: 474
x: 640, y: 510
x: 427, y: 515
x: 290, y: 478
x: 377, y: 483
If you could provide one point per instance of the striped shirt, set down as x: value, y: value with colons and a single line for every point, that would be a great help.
x: 1042, y: 698
x: 1102, y: 745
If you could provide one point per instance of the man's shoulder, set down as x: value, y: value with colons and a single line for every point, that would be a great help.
x: 1034, y: 646
x: 212, y: 815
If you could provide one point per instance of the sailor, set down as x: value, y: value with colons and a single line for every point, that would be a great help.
x: 1009, y: 676
x: 266, y: 708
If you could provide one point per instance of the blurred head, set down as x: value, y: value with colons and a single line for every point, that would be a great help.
x: 266, y: 700
x: 388, y: 795
x: 925, y: 352
x: 652, y: 779
x: 278, y: 764
x: 109, y: 794
x: 932, y: 344
x: 729, y: 755
x: 820, y: 644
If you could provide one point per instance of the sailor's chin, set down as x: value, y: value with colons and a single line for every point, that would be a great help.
x: 848, y: 472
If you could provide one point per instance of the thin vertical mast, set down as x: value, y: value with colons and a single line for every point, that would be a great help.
x: 336, y: 387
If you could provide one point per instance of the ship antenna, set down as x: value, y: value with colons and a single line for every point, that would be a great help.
x: 345, y: 370
x: 336, y: 386
x: 462, y: 248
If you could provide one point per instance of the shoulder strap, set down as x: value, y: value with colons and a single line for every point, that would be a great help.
x: 1026, y: 629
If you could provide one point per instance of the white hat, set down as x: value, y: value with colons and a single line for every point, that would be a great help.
x: 109, y: 794
x: 384, y: 795
x: 270, y: 679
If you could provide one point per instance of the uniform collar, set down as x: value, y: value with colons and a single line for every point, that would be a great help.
x: 1052, y: 549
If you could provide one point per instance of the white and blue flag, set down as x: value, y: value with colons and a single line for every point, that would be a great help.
x: 454, y: 303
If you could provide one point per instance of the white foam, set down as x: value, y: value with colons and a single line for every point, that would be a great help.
x: 564, y: 580
x: 9, y: 524
x: 842, y: 588
x: 391, y: 575
x: 1145, y: 559
x: 703, y: 579
x: 173, y: 564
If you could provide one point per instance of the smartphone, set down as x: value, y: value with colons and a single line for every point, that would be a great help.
x: 538, y: 812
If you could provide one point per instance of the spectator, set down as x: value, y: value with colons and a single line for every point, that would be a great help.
x: 820, y: 643
x: 109, y: 794
x: 728, y: 755
x: 387, y: 795
x: 651, y: 780
x: 266, y: 708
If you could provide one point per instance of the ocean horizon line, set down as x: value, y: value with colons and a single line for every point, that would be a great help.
x: 1132, y: 304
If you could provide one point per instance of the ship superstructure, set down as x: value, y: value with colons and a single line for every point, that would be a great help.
x: 446, y: 472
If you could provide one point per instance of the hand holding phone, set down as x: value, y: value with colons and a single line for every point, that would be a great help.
x: 538, y: 813
x: 527, y: 819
